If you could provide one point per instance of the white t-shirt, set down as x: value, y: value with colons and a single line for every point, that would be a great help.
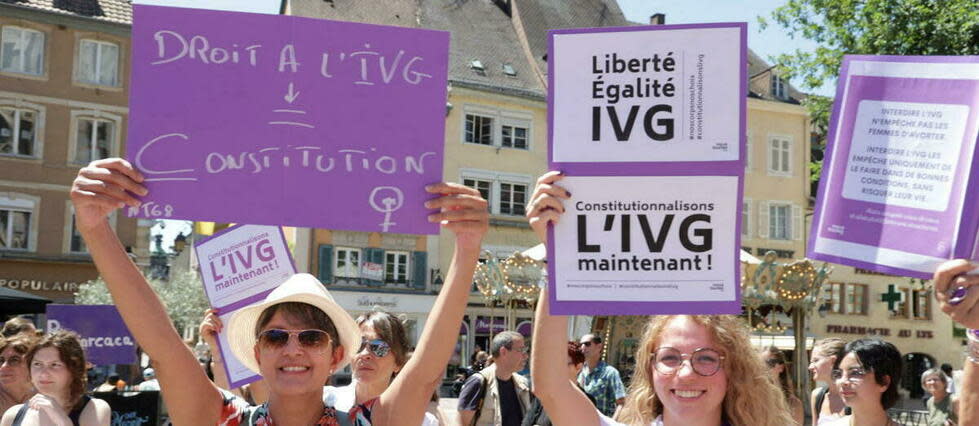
x: 605, y: 421
x: 342, y: 398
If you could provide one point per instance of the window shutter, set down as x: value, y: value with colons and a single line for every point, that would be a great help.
x: 763, y: 218
x: 326, y: 264
x: 746, y: 205
x: 796, y: 222
x: 865, y: 289
x: 374, y: 255
x: 771, y: 155
x: 419, y: 269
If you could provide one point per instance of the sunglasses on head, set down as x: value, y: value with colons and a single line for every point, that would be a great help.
x: 377, y: 347
x: 316, y: 340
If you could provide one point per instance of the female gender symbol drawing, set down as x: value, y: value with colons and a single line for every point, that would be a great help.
x: 391, y: 199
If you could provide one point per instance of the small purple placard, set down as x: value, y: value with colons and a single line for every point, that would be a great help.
x: 104, y: 335
x: 648, y: 125
x: 894, y: 192
x: 283, y: 120
x: 240, y: 266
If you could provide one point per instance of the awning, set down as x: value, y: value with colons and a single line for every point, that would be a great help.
x: 785, y: 343
x: 749, y: 259
x: 14, y: 302
x: 538, y: 253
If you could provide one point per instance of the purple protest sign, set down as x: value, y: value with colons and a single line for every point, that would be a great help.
x: 103, y: 333
x: 648, y: 126
x: 239, y: 267
x: 283, y: 120
x: 898, y: 165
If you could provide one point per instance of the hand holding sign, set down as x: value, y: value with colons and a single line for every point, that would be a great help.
x: 463, y: 211
x: 102, y: 187
x: 545, y: 204
x: 953, y: 276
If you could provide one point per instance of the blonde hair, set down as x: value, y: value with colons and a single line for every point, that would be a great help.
x: 752, y: 398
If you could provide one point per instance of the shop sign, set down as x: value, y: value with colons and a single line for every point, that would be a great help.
x: 878, y: 331
x: 367, y: 301
x: 39, y: 285
x: 483, y: 325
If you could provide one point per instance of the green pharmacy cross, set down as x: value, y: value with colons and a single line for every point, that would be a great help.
x: 892, y: 297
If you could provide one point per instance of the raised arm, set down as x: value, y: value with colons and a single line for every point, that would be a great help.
x: 562, y: 400
x: 963, y: 309
x: 101, y: 188
x: 465, y: 214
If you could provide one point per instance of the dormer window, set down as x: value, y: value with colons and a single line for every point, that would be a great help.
x: 779, y: 90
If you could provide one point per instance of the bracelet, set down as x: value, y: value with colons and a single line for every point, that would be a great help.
x: 972, y: 347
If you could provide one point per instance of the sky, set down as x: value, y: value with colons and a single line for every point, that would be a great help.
x: 767, y: 44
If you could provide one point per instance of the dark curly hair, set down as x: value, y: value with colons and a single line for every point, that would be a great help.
x: 884, y: 360
x: 70, y: 351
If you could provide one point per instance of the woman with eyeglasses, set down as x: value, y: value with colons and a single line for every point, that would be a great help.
x: 691, y: 370
x: 868, y: 378
x: 57, y: 366
x: 774, y: 358
x: 296, y: 338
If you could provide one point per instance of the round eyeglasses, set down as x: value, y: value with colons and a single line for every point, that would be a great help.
x: 312, y: 340
x: 377, y: 347
x: 704, y: 361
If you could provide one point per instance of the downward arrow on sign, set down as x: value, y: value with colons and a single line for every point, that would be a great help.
x: 292, y: 95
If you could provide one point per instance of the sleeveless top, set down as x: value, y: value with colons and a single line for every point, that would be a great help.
x: 939, y: 412
x: 74, y: 415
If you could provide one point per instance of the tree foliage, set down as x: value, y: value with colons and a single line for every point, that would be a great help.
x: 183, y: 297
x: 870, y: 27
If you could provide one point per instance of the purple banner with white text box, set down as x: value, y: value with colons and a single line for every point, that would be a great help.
x: 648, y: 128
x: 283, y: 120
x: 104, y: 335
x: 894, y: 194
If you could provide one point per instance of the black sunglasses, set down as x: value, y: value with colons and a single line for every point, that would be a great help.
x: 316, y: 340
x: 377, y: 347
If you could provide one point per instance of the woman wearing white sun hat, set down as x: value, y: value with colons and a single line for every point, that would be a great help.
x: 296, y: 338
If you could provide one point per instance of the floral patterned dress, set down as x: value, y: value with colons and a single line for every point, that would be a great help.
x: 237, y: 412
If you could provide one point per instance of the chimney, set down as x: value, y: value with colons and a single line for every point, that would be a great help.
x: 657, y: 19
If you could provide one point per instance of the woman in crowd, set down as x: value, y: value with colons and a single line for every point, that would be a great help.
x: 296, y: 338
x: 57, y: 366
x: 942, y: 407
x: 955, y: 285
x: 775, y: 360
x: 536, y: 416
x: 825, y: 401
x: 868, y: 378
x: 15, y: 379
x: 690, y: 370
x: 382, y: 354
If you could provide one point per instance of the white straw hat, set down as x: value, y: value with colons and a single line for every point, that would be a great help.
x: 303, y: 288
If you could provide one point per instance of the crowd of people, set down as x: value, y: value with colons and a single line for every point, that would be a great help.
x: 691, y: 369
x: 43, y: 379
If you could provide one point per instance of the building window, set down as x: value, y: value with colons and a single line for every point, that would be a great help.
x: 483, y: 186
x: 347, y: 262
x: 479, y: 129
x: 18, y: 131
x: 921, y: 304
x: 15, y: 226
x: 779, y: 155
x: 396, y: 267
x: 98, y: 63
x: 512, y: 199
x: 515, y: 137
x: 779, y: 221
x: 834, y: 297
x: 856, y: 299
x: 94, y: 138
x: 746, y: 218
x: 505, y: 193
x: 778, y: 87
x: 75, y: 243
x: 747, y: 152
x: 21, y: 51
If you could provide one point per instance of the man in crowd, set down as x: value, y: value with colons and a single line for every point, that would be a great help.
x: 149, y: 381
x: 600, y: 380
x: 496, y: 395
